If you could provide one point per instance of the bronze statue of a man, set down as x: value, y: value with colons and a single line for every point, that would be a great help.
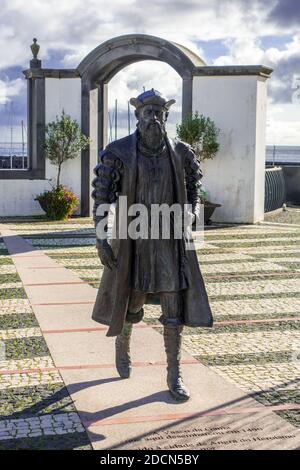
x: 150, y: 169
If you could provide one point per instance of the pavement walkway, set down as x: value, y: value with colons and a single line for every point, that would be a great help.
x: 243, y: 374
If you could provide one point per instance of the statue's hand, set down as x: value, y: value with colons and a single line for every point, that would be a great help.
x: 106, y: 254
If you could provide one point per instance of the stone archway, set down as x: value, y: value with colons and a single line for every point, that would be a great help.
x: 96, y: 70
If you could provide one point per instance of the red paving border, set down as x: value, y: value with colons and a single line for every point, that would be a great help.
x: 89, y: 366
x: 64, y: 303
x: 216, y: 324
x: 178, y: 416
x: 43, y: 284
x: 206, y: 276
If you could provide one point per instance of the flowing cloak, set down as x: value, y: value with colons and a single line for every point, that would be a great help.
x: 113, y: 295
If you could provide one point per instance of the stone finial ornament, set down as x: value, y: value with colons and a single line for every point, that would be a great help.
x: 35, y: 48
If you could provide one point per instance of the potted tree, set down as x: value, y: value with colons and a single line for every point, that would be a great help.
x: 63, y: 141
x: 201, y: 134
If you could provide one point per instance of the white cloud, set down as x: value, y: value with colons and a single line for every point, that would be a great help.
x: 81, y: 26
x: 74, y: 28
x: 9, y: 89
x: 283, y: 124
x: 149, y: 74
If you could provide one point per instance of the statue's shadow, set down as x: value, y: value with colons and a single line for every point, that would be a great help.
x: 88, y: 418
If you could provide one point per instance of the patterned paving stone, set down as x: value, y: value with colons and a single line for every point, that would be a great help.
x: 253, y: 377
x: 283, y: 239
x: 259, y: 359
x: 8, y: 306
x: 18, y: 320
x: 257, y: 250
x: 257, y: 306
x: 255, y: 357
x: 11, y: 285
x: 80, y: 262
x: 5, y: 260
x: 36, y: 411
x: 241, y: 267
x: 224, y: 257
x: 276, y: 254
x: 49, y: 441
x: 63, y: 423
x: 25, y: 402
x: 254, y: 287
x: 237, y: 343
x: 251, y: 236
x: 249, y: 327
x: 288, y: 259
x: 29, y: 380
x: 7, y: 269
x: 24, y: 364
x: 12, y: 293
x: 22, y: 348
x: 88, y: 273
x: 63, y: 242
x: 70, y: 250
x: 20, y: 333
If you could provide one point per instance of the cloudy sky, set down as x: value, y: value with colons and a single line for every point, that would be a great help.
x: 222, y: 32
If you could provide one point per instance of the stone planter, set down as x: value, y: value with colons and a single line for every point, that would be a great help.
x: 209, y: 208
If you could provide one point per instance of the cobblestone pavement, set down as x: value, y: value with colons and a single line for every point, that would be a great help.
x: 36, y: 411
x: 252, y: 275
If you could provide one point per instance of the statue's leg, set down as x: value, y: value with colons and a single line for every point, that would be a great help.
x: 171, y: 318
x: 134, y: 315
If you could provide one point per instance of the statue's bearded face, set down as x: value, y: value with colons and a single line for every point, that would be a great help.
x: 151, y: 125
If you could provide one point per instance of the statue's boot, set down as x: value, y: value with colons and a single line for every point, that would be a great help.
x: 123, y: 361
x: 172, y: 340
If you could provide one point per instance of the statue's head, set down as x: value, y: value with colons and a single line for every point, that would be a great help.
x: 151, y: 111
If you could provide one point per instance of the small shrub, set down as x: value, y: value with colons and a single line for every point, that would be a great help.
x: 201, y: 133
x: 58, y: 203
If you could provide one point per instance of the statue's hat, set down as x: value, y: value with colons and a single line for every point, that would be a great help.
x: 151, y: 97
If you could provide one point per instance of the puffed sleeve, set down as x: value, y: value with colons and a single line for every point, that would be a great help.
x: 107, y: 182
x: 193, y: 176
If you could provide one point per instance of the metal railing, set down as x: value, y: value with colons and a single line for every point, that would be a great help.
x: 275, y: 192
x: 13, y: 157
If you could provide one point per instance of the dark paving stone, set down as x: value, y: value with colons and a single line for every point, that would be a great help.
x: 246, y: 276
x: 59, y: 247
x: 7, y: 260
x: 22, y: 348
x: 72, y: 255
x: 58, y: 236
x: 245, y: 328
x: 26, y: 402
x: 249, y: 236
x: 18, y: 320
x: 12, y: 293
x: 273, y: 254
x: 258, y: 243
x: 76, y: 440
x: 11, y: 277
x: 249, y: 358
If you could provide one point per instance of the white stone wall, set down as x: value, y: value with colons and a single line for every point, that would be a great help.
x: 64, y: 93
x: 235, y: 177
x: 17, y: 197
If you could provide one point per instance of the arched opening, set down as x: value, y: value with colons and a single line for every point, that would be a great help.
x: 130, y: 82
x: 100, y: 66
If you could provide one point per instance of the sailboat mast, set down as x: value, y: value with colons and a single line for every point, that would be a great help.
x: 23, y: 144
x: 128, y: 117
x: 116, y: 119
x: 11, y: 134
